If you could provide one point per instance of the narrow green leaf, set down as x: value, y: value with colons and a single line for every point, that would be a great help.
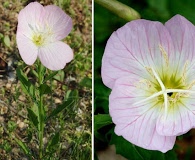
x: 67, y: 95
x: 6, y: 40
x: 52, y: 146
x: 24, y: 147
x: 31, y: 90
x: 28, y: 88
x: 50, y: 76
x: 35, y: 73
x: 60, y: 76
x: 44, y: 89
x: 54, y: 141
x: 73, y: 96
x: 86, y: 82
x: 32, y: 117
x: 60, y: 108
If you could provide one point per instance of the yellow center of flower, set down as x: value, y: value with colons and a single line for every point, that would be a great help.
x: 166, y: 89
x: 38, y: 39
x: 41, y: 34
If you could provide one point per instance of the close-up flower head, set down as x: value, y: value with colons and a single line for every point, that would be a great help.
x: 150, y: 68
x: 39, y: 34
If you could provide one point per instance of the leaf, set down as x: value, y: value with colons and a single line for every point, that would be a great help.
x: 12, y: 125
x: 86, y: 82
x: 101, y: 120
x: 27, y: 87
x: 69, y: 102
x: 44, y: 89
x: 157, y: 155
x: 6, y: 40
x: 171, y: 155
x: 50, y: 76
x: 33, y: 117
x: 24, y: 147
x: 52, y: 146
x: 35, y: 73
x: 1, y: 37
x: 60, y: 76
x: 54, y: 141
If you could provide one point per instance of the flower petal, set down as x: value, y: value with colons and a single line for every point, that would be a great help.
x: 133, y: 47
x: 183, y: 35
x: 29, y: 18
x: 27, y: 49
x: 55, y: 55
x: 136, y: 123
x: 59, y: 21
x: 179, y: 120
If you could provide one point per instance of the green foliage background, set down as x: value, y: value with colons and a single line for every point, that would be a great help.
x: 105, y: 23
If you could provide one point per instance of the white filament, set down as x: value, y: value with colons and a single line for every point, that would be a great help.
x: 163, y: 92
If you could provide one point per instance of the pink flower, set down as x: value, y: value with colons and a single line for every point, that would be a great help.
x: 39, y: 32
x: 150, y: 68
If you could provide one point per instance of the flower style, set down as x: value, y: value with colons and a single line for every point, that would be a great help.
x: 39, y: 32
x: 150, y: 68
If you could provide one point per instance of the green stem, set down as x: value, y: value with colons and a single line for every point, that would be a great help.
x: 119, y: 9
x: 41, y: 112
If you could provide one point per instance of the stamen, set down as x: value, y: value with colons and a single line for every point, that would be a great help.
x: 150, y: 71
x: 143, y: 83
x: 184, y: 72
x: 149, y: 98
x: 191, y: 84
x: 166, y: 104
x: 164, y: 53
x: 165, y: 92
x: 158, y: 79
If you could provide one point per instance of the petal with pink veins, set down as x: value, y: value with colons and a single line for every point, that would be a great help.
x: 55, y: 55
x: 139, y: 43
x: 179, y: 120
x: 27, y: 49
x: 137, y: 123
x: 30, y: 18
x: 183, y: 35
x: 59, y: 21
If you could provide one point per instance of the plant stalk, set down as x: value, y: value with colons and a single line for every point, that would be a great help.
x: 119, y: 9
x: 41, y: 112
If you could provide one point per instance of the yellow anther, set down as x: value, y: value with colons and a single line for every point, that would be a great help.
x: 143, y: 83
x: 38, y: 39
x: 184, y: 72
x: 164, y: 53
x: 191, y: 84
x: 150, y: 71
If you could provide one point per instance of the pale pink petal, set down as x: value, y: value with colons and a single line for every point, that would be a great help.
x: 27, y: 49
x: 183, y: 35
x: 136, y: 45
x: 59, y: 21
x: 136, y: 123
x: 179, y: 120
x: 30, y: 18
x: 55, y: 55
